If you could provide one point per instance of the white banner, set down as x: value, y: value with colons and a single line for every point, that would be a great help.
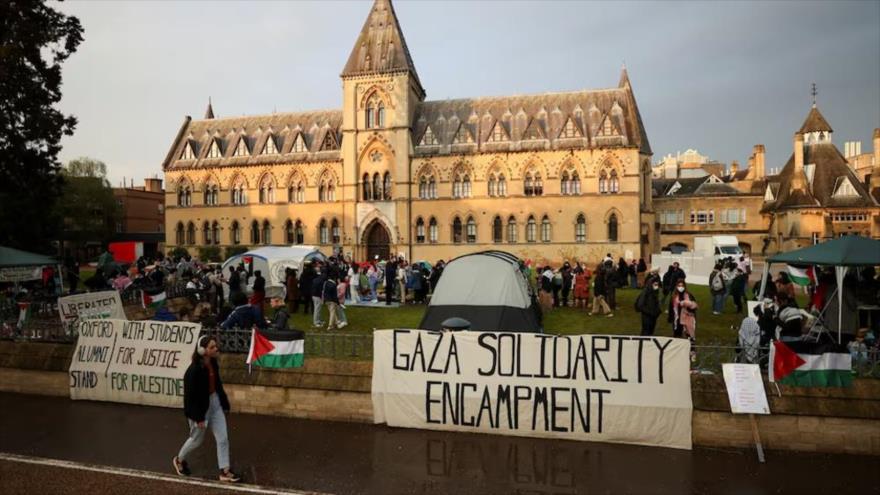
x: 139, y: 362
x: 21, y: 273
x: 605, y: 388
x: 104, y: 304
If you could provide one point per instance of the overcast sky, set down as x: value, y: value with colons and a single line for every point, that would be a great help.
x: 715, y: 76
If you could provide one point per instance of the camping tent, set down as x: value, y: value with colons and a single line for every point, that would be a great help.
x: 20, y: 266
x: 489, y: 290
x: 272, y: 260
x: 841, y: 253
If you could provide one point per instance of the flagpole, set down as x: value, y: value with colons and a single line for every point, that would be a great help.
x: 757, y: 438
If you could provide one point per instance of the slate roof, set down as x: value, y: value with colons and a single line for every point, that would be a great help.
x: 815, y: 122
x: 696, y: 186
x: 380, y: 47
x: 831, y: 168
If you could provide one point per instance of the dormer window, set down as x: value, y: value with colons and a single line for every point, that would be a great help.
x: 428, y: 139
x: 242, y: 149
x: 569, y: 130
x: 270, y: 148
x: 844, y: 189
x: 214, y: 151
x: 463, y: 136
x: 188, y: 152
x: 299, y: 144
x: 498, y: 133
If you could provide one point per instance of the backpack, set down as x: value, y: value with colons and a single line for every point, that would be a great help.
x: 717, y: 283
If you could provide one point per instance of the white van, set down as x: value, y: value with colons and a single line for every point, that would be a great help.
x: 719, y: 246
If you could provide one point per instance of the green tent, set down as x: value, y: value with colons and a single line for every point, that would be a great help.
x: 841, y: 253
x: 850, y: 250
x: 10, y: 257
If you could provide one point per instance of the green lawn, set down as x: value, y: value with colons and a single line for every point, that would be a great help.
x: 710, y: 328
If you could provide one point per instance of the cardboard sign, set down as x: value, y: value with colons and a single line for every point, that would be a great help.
x: 606, y: 388
x: 745, y: 388
x: 138, y: 362
x: 103, y: 304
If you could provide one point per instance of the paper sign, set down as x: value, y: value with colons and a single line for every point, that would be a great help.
x: 745, y: 389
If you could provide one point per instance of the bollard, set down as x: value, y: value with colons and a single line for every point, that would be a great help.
x: 455, y: 324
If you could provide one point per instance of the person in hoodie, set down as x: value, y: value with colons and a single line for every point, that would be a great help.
x: 648, y: 304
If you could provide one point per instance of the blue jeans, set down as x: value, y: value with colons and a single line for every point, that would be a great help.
x: 215, y: 419
x: 316, y: 315
x: 373, y: 293
x: 718, y: 302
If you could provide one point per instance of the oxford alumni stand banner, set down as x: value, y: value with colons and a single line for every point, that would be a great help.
x: 139, y: 362
x: 605, y: 388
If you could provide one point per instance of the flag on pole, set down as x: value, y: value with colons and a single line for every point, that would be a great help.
x: 276, y: 349
x: 153, y: 301
x: 802, y: 276
x: 809, y: 364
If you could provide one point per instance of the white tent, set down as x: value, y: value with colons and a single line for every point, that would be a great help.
x: 273, y: 260
x: 489, y: 290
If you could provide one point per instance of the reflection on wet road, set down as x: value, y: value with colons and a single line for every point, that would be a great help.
x: 351, y: 458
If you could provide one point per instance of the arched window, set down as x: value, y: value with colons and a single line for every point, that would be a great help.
x: 539, y: 185
x: 323, y: 232
x: 614, y: 183
x: 493, y: 185
x: 365, y: 187
x: 456, y: 230
x: 206, y: 233
x: 533, y: 185
x: 432, y: 231
x: 334, y: 231
x: 235, y: 233
x: 432, y: 188
x: 580, y: 228
x: 461, y: 185
x: 190, y: 233
x: 531, y: 228
x: 511, y: 230
x: 267, y: 190
x: 210, y: 194
x: 238, y: 193
x: 612, y: 227
x: 387, y: 186
x: 377, y: 187
x: 326, y: 189
x: 375, y: 112
x: 545, y: 229
x: 603, y: 182
x: 575, y: 184
x: 502, y: 185
x: 368, y: 117
x: 420, y: 231
x: 296, y: 192
x: 184, y: 194
x: 423, y: 187
x: 215, y: 232
x: 266, y: 236
x: 380, y: 115
x: 471, y: 230
x: 179, y: 234
x: 288, y: 232
x: 255, y: 232
x: 564, y: 183
x: 299, y: 233
x: 497, y: 230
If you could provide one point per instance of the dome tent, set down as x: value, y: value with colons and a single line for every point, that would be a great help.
x: 489, y: 290
x: 272, y: 261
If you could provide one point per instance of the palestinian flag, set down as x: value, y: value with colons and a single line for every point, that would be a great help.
x: 808, y: 364
x: 802, y: 276
x: 276, y: 348
x: 24, y: 314
x: 153, y: 301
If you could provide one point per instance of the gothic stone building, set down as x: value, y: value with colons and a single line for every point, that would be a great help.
x: 549, y: 177
x: 817, y: 195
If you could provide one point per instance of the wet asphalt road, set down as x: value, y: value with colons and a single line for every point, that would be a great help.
x: 347, y: 458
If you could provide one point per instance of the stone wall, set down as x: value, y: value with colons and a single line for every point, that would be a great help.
x: 805, y: 419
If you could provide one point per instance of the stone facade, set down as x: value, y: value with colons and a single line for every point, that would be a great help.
x: 548, y: 177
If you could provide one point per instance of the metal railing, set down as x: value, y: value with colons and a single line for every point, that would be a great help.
x: 317, y: 344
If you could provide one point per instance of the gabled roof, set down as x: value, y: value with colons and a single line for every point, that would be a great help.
x: 815, y: 122
x: 697, y: 186
x: 380, y: 46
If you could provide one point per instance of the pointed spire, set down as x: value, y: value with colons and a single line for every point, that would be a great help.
x: 624, y: 77
x: 815, y: 122
x: 209, y: 112
x: 380, y: 46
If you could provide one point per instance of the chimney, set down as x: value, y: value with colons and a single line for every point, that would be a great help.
x: 875, y: 171
x: 734, y: 167
x: 758, y: 152
x: 153, y: 185
x: 797, y: 178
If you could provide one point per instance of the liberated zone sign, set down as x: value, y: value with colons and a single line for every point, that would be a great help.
x: 139, y: 362
x: 104, y: 304
x: 606, y: 388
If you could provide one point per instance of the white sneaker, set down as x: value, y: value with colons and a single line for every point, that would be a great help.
x: 342, y: 306
x: 343, y: 324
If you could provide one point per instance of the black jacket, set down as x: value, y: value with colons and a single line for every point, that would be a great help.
x: 648, y: 303
x: 196, y: 397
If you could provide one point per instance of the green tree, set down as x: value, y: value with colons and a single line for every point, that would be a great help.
x: 87, y: 205
x: 34, y: 41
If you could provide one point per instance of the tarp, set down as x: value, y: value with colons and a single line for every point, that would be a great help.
x: 272, y: 260
x: 10, y: 257
x: 850, y: 250
x: 487, y: 289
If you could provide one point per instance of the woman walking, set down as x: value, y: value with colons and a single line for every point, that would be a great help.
x: 205, y: 405
x: 683, y: 312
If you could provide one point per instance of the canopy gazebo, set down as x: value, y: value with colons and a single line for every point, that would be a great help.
x: 842, y: 253
x: 20, y: 266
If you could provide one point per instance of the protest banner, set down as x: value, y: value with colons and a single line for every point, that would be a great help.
x: 103, y: 304
x: 21, y: 273
x: 745, y: 390
x: 605, y: 388
x: 138, y: 362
